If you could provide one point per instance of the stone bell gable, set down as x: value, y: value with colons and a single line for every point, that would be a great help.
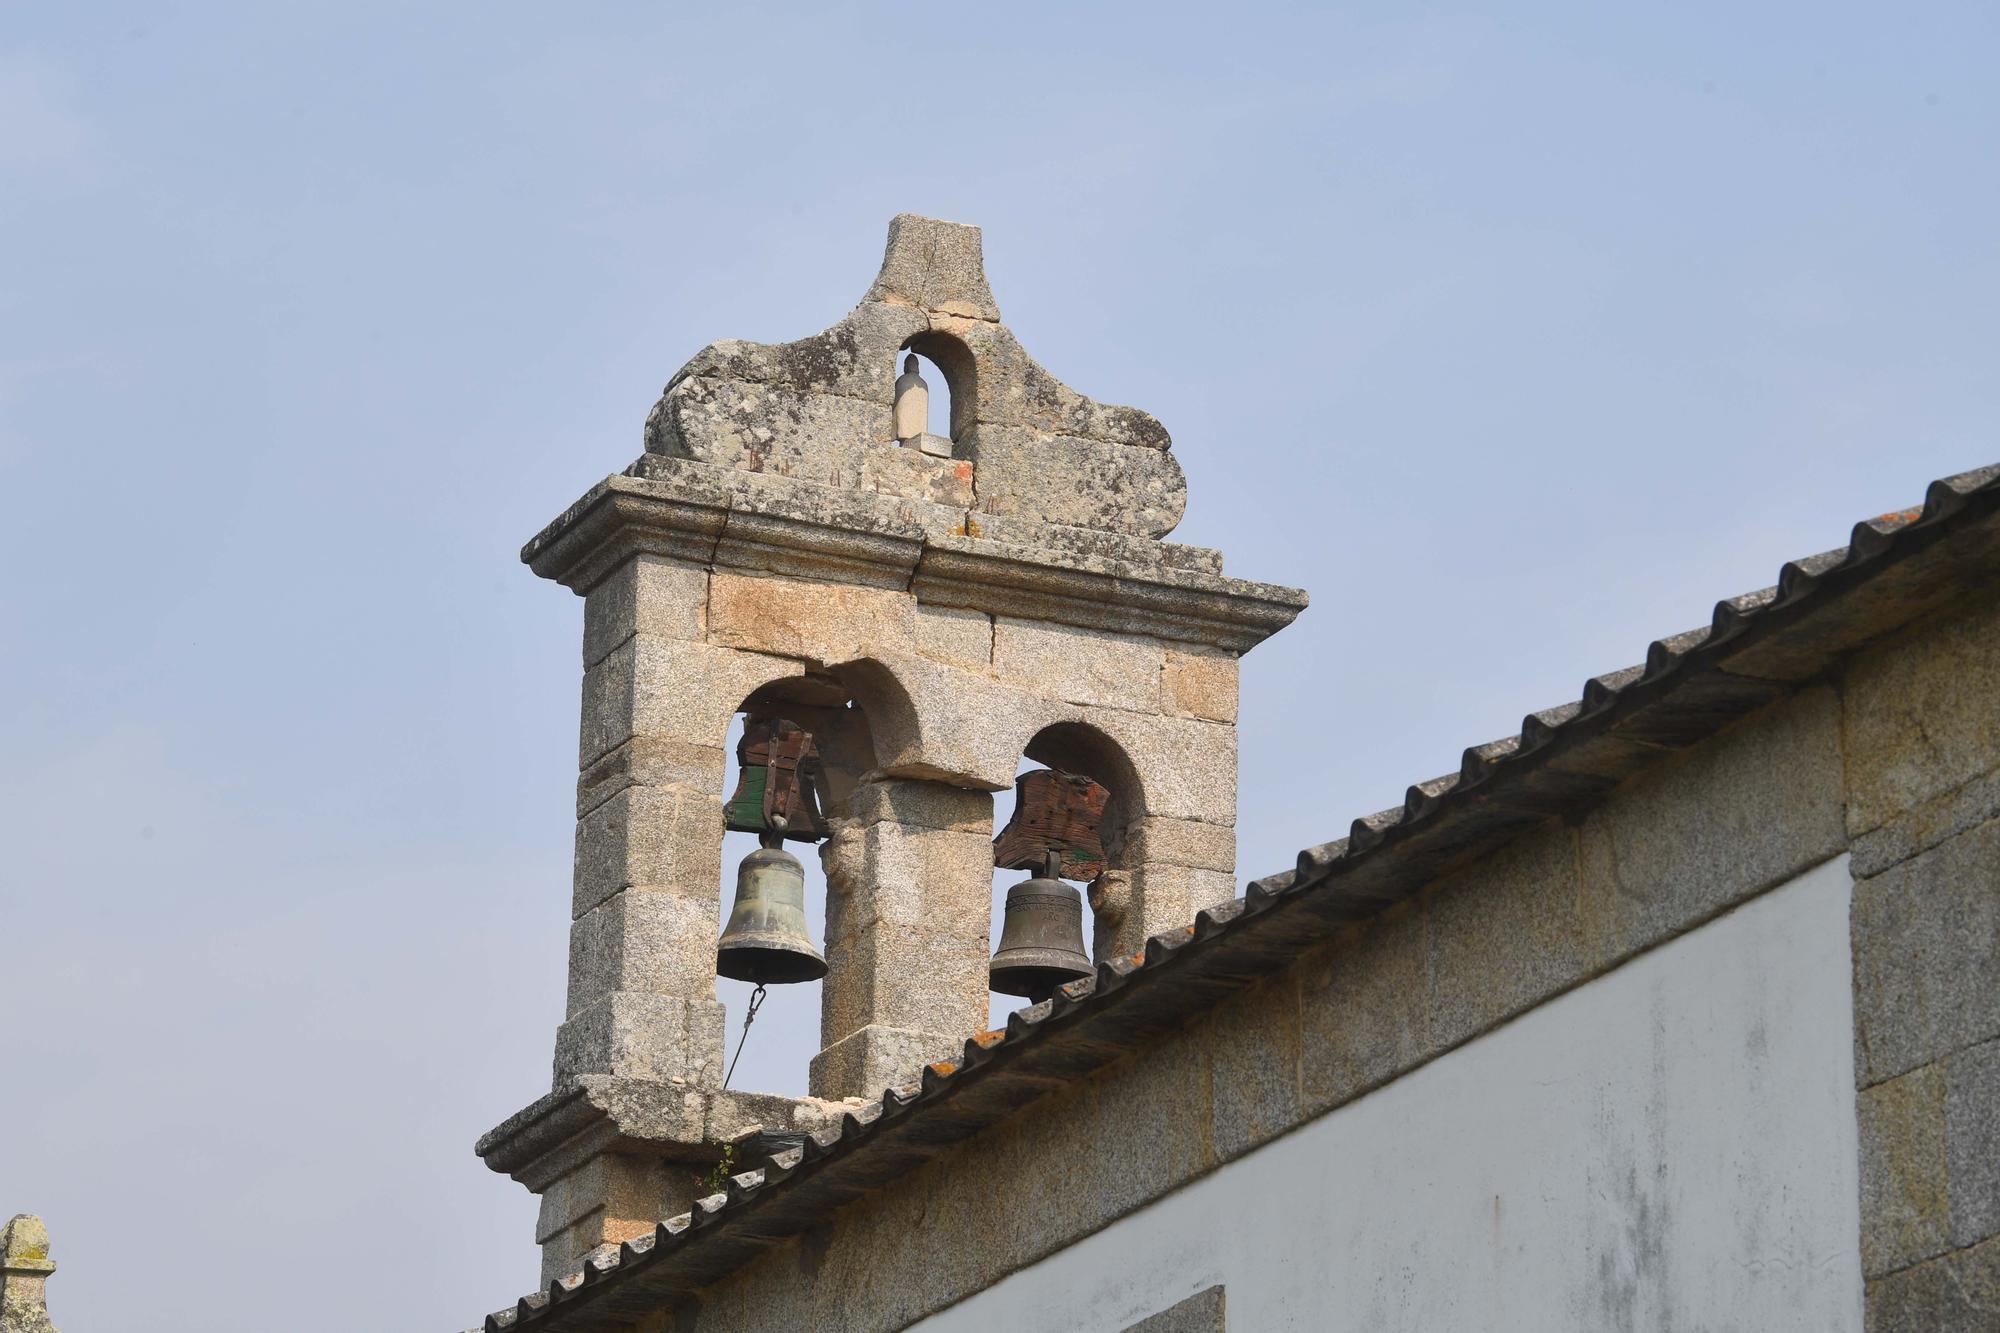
x: 935, y: 613
x: 1023, y: 444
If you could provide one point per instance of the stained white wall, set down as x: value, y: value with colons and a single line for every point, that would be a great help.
x: 1670, y: 1147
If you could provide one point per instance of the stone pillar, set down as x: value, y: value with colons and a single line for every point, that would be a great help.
x: 909, y: 908
x: 610, y: 1198
x: 1177, y: 867
x: 24, y: 1273
x: 645, y: 911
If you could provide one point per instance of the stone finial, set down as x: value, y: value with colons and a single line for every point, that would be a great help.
x: 24, y: 1270
x: 935, y: 266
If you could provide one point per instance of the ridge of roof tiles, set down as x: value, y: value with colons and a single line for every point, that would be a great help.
x: 1215, y: 955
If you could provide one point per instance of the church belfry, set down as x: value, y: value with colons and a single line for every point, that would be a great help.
x: 899, y: 617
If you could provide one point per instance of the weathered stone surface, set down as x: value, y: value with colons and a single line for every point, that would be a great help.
x: 1199, y: 684
x: 1078, y: 1177
x: 1959, y: 1293
x: 670, y: 690
x: 1254, y: 1065
x: 876, y: 1057
x: 1510, y: 932
x: 924, y: 805
x: 646, y: 761
x: 651, y: 837
x: 955, y: 726
x: 824, y: 622
x: 935, y: 265
x: 955, y: 636
x: 660, y: 941
x: 1972, y: 1137
x: 1741, y: 813
x: 1078, y: 666
x: 1362, y: 1007
x: 768, y: 428
x: 1113, y: 925
x: 1920, y: 718
x: 902, y: 976
x: 1927, y: 955
x: 1937, y: 820
x: 658, y: 1037
x: 1181, y: 842
x: 895, y: 470
x: 908, y: 911
x: 611, y: 1198
x: 1010, y: 388
x: 1905, y: 1208
x: 24, y: 1271
x: 1155, y: 897
x: 1077, y: 482
x: 1186, y: 767
x: 625, y: 1185
x: 646, y: 595
x: 758, y: 521
x: 815, y: 409
x: 1124, y: 547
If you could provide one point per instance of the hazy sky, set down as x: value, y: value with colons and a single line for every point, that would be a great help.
x: 1516, y: 340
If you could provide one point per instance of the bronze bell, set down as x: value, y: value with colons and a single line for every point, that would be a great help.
x: 1041, y: 936
x: 766, y: 941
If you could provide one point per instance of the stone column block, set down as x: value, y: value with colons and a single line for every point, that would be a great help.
x: 877, y: 1057
x: 1129, y: 907
x: 611, y: 1198
x: 638, y: 1035
x: 649, y: 837
x: 1905, y: 1207
x: 1181, y: 842
x: 647, y: 940
x: 1079, y: 666
x: 1918, y: 718
x: 645, y: 761
x: 646, y: 595
x: 955, y: 637
x: 1199, y: 684
x: 1186, y: 767
x: 909, y: 911
x: 669, y: 689
x: 826, y: 622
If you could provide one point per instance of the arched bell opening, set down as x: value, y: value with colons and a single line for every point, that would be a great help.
x: 934, y: 393
x: 1063, y: 825
x: 797, y: 747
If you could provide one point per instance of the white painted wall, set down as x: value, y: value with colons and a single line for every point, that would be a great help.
x: 1671, y: 1147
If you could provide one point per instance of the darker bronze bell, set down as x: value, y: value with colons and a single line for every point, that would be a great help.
x: 766, y: 941
x: 1041, y: 937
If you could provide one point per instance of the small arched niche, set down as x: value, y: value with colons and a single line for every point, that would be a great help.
x: 946, y: 379
x: 834, y: 710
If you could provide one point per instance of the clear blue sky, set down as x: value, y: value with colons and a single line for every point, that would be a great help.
x: 1517, y: 337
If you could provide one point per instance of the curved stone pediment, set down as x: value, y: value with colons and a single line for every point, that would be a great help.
x: 1024, y: 444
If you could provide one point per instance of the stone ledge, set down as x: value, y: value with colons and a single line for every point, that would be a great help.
x: 600, y: 1113
x: 765, y: 523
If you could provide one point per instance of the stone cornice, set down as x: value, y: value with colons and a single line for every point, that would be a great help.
x: 762, y: 523
x: 600, y: 1113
